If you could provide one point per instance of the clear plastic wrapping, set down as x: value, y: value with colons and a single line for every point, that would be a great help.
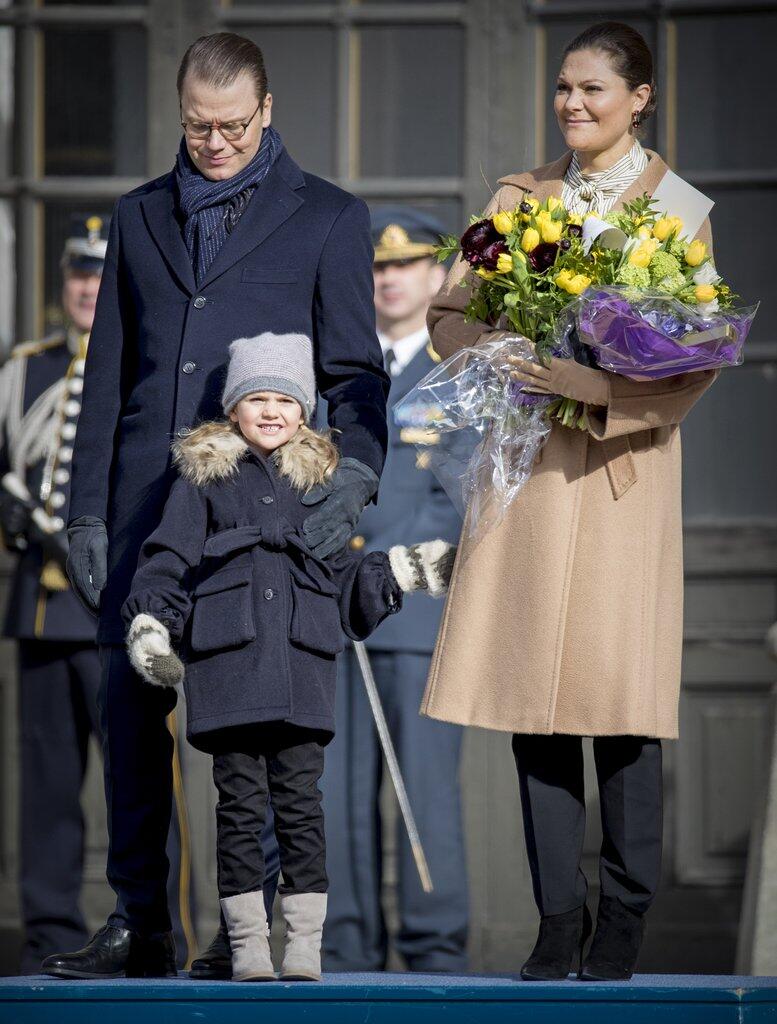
x: 477, y: 430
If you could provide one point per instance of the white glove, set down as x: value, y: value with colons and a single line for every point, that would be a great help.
x: 426, y: 566
x: 151, y: 653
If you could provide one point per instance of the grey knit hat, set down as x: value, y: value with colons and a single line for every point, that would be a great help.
x: 271, y: 362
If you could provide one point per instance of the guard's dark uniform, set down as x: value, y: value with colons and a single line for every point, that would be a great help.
x: 58, y: 663
x: 432, y: 926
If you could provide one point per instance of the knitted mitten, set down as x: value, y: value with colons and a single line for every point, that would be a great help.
x: 150, y: 652
x: 426, y: 566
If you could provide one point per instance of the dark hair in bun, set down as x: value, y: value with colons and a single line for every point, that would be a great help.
x: 628, y: 52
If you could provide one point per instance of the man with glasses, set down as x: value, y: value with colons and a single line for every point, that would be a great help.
x: 236, y: 240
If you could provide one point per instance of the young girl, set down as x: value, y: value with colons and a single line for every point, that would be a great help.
x: 259, y: 621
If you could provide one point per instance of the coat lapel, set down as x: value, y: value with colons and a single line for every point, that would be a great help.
x: 160, y: 216
x: 272, y: 203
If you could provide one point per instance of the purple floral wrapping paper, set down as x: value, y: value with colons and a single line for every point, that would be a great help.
x: 645, y: 339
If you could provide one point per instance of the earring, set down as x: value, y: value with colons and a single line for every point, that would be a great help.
x: 636, y: 119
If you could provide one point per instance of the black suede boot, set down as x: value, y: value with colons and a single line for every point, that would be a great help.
x: 614, y: 951
x: 559, y: 943
x: 215, y: 964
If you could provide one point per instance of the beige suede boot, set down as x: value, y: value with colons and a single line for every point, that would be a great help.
x: 249, y: 937
x: 304, y: 914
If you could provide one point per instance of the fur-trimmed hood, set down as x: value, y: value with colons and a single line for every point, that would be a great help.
x: 214, y: 450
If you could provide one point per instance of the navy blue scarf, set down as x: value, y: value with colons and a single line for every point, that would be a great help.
x: 213, y: 208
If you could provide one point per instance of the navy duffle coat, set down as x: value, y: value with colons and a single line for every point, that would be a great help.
x: 259, y: 618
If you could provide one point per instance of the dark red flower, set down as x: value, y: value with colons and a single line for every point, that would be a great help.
x: 544, y: 256
x: 575, y: 230
x: 491, y: 254
x: 478, y: 237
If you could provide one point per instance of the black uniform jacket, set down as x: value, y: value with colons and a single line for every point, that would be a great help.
x: 260, y: 619
x: 36, y: 611
x: 299, y: 260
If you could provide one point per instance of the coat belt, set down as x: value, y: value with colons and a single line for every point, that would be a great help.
x: 278, y: 536
x: 621, y: 470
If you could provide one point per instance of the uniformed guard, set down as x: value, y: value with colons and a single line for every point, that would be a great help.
x: 58, y: 664
x: 432, y: 931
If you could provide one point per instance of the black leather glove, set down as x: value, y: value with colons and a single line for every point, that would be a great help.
x: 14, y: 520
x: 344, y: 496
x: 87, y: 560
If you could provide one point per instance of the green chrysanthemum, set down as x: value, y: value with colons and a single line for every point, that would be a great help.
x: 637, y: 277
x: 663, y: 265
x: 672, y: 284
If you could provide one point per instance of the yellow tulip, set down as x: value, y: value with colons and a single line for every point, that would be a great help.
x: 544, y: 217
x: 562, y: 279
x: 503, y: 222
x: 677, y: 225
x: 662, y: 229
x: 530, y: 240
x: 640, y: 257
x: 643, y: 232
x: 504, y: 263
x: 553, y: 203
x: 705, y: 292
x: 695, y: 253
x: 575, y: 218
x: 487, y: 275
x: 578, y: 284
x: 551, y: 230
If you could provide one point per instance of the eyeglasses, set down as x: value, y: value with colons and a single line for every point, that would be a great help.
x: 229, y: 130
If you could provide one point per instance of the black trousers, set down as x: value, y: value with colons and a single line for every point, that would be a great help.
x: 137, y: 751
x: 284, y: 762
x: 58, y: 684
x: 628, y: 769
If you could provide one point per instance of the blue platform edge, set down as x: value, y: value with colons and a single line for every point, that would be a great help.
x: 378, y: 998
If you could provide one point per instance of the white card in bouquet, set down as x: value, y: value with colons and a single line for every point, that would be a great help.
x: 677, y: 198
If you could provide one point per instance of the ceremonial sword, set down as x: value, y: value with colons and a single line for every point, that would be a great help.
x: 393, y: 765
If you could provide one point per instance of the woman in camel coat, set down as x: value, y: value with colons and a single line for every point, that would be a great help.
x: 566, y: 620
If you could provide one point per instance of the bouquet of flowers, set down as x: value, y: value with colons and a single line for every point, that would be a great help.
x: 627, y: 293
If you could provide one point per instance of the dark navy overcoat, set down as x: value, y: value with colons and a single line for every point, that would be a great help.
x: 299, y: 260
x: 259, y: 619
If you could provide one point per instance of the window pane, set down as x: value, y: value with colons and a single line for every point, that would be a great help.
x: 301, y: 74
x: 412, y: 101
x: 56, y: 227
x: 728, y: 446
x: 743, y: 255
x: 725, y: 71
x: 558, y: 36
x: 95, y: 101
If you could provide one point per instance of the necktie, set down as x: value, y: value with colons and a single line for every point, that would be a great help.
x: 388, y: 361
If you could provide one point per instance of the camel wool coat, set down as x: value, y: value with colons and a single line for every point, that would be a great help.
x: 568, y: 616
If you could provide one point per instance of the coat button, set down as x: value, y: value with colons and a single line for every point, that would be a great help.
x: 267, y: 500
x: 269, y: 594
x: 189, y: 367
x: 184, y: 431
x: 199, y: 302
x: 357, y: 543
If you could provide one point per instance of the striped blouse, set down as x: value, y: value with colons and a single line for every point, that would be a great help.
x: 600, y: 191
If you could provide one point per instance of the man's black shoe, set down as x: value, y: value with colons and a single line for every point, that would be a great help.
x: 215, y: 964
x: 116, y: 953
